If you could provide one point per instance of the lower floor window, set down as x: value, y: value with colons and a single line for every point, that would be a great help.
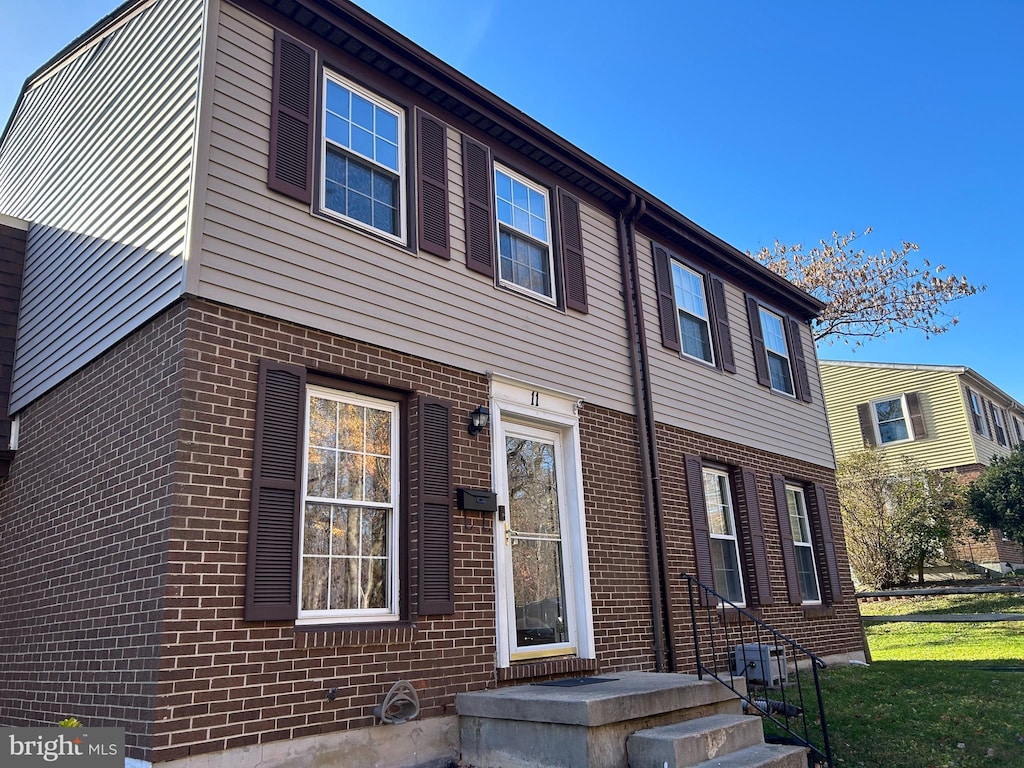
x: 350, y: 521
x: 803, y: 544
x: 725, y: 559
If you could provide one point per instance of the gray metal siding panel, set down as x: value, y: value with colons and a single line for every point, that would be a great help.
x: 98, y: 159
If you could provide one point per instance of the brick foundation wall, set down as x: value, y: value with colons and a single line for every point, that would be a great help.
x: 83, y: 540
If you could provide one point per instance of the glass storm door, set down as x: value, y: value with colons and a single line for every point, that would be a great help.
x: 538, y: 588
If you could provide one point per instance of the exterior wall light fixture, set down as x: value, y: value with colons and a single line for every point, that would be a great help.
x: 479, y: 419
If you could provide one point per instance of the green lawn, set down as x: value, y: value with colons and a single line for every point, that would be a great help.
x: 985, y: 602
x: 935, y: 694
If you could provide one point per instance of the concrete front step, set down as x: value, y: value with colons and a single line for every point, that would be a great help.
x: 693, y: 741
x: 759, y: 756
x: 538, y: 726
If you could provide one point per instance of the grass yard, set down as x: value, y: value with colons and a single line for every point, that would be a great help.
x: 935, y: 694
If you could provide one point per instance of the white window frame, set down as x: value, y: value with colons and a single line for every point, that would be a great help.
x: 1018, y: 427
x: 402, y: 173
x: 704, y: 319
x: 547, y: 245
x: 978, y: 412
x: 803, y: 537
x: 878, y: 425
x: 728, y: 512
x: 392, y: 612
x: 783, y: 354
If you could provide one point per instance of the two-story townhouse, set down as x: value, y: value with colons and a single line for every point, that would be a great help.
x: 332, y: 369
x: 948, y: 417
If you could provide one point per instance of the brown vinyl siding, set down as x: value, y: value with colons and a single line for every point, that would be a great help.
x: 305, y: 268
x: 731, y: 406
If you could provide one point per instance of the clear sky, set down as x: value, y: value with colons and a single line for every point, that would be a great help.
x: 757, y: 120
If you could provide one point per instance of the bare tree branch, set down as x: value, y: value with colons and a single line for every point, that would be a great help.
x: 869, y: 295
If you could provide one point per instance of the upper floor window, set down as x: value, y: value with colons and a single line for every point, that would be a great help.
x: 363, y: 159
x: 891, y: 420
x: 779, y: 369
x: 524, y: 235
x: 692, y: 310
x: 349, y: 536
x: 694, y: 320
x: 803, y: 544
x: 978, y: 413
x: 725, y: 551
x: 999, y: 422
x: 1018, y: 427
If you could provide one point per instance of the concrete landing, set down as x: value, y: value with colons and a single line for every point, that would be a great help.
x: 540, y: 726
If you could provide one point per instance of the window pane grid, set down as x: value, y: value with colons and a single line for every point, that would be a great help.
x: 725, y: 559
x: 521, y: 207
x: 362, y: 158
x: 892, y: 422
x: 359, y: 125
x: 803, y: 546
x: 691, y: 302
x: 774, y: 335
x: 349, y: 506
x: 523, y: 235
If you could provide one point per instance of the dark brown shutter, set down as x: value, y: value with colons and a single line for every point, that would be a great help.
x: 699, y: 521
x: 801, y: 380
x: 819, y: 513
x: 720, y: 326
x: 434, y: 507
x: 290, y: 170
x: 271, y: 579
x: 573, y: 271
x: 432, y: 182
x: 757, y: 339
x: 867, y: 425
x: 916, y: 416
x: 750, y: 510
x: 666, y: 299
x: 477, y: 180
x: 786, y: 539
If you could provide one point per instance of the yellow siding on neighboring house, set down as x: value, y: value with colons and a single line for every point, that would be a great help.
x: 986, y: 446
x: 949, y: 442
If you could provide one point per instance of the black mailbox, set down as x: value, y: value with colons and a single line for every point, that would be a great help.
x: 477, y: 500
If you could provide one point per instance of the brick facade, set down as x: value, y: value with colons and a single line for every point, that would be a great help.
x: 84, y: 533
x: 127, y: 518
x: 993, y: 550
x: 826, y: 629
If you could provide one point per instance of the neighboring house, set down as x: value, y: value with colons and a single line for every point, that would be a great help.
x: 946, y: 416
x: 280, y: 266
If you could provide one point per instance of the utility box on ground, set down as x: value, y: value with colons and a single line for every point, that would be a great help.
x: 760, y: 663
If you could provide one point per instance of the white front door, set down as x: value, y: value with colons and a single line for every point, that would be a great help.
x: 540, y: 536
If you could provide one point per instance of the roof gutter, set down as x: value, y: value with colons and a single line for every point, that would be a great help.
x: 661, y: 610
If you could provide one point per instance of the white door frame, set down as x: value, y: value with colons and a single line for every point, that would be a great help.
x: 518, y: 402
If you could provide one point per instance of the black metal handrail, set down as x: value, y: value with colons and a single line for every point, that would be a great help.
x: 761, y: 656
